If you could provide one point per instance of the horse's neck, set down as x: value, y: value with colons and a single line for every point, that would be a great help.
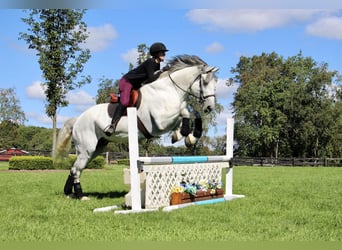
x: 180, y: 81
x: 184, y: 78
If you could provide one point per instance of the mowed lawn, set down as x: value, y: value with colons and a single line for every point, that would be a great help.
x: 281, y: 204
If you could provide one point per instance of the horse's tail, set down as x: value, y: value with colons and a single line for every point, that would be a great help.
x: 64, y: 139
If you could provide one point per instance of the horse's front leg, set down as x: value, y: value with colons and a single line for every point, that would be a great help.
x: 176, y: 135
x: 189, y: 140
x: 193, y: 137
x: 184, y: 128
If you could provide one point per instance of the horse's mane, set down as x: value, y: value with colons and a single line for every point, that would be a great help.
x: 183, y: 61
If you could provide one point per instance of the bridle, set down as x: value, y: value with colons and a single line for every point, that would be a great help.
x: 201, y: 98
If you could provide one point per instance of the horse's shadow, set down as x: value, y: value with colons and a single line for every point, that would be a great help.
x: 112, y: 194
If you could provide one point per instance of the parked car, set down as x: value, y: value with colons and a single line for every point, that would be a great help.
x: 6, y: 154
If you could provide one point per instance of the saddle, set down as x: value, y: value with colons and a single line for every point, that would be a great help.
x: 114, y: 100
x: 135, y: 100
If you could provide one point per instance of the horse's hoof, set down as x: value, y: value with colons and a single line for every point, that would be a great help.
x: 173, y: 139
x: 70, y: 196
x: 85, y: 198
x: 190, y: 140
x: 176, y: 136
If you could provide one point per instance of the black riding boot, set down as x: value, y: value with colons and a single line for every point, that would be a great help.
x: 120, y: 109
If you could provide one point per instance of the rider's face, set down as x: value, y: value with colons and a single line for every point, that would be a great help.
x: 161, y: 56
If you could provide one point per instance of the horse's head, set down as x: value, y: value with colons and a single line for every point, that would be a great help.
x: 195, y: 78
x: 205, y: 86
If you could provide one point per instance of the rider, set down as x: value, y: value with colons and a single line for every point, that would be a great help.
x: 144, y: 73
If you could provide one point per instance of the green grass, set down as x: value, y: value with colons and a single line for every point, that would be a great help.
x: 281, y: 204
x: 3, y: 165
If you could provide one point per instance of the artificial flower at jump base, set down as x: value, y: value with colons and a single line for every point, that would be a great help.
x: 187, y: 192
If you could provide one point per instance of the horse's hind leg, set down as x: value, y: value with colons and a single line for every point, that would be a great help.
x: 76, y: 171
x: 73, y: 180
x: 81, y: 162
x: 68, y: 185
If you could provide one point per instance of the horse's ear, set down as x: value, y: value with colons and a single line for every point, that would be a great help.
x: 211, y: 69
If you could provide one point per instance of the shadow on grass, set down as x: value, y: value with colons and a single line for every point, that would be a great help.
x: 113, y: 194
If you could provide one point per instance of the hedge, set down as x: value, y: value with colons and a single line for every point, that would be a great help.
x: 43, y: 162
x: 123, y: 162
x: 30, y: 162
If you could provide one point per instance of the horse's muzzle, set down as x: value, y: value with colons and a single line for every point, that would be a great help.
x: 209, y: 104
x: 208, y: 109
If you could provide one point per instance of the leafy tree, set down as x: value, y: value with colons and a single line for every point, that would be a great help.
x: 143, y: 53
x: 8, y: 134
x: 309, y: 108
x: 10, y: 109
x: 11, y: 116
x: 57, y: 35
x: 284, y: 107
x: 106, y: 87
x: 34, y: 138
x: 258, y: 120
x: 218, y: 145
x: 336, y: 140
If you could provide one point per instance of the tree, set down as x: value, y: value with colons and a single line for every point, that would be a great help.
x: 56, y: 35
x: 284, y: 106
x: 143, y: 54
x: 11, y: 116
x: 106, y: 87
x: 336, y: 140
x: 258, y: 121
x: 34, y: 138
x: 8, y: 134
x: 218, y: 145
x: 10, y: 109
x: 309, y: 107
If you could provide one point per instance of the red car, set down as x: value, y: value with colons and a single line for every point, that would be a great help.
x: 5, y: 155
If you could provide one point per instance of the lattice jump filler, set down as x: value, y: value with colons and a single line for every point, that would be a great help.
x: 161, y: 178
x: 151, y: 189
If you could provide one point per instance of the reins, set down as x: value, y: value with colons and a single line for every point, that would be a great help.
x: 202, y: 97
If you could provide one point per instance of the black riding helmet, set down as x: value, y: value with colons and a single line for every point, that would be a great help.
x: 156, y: 48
